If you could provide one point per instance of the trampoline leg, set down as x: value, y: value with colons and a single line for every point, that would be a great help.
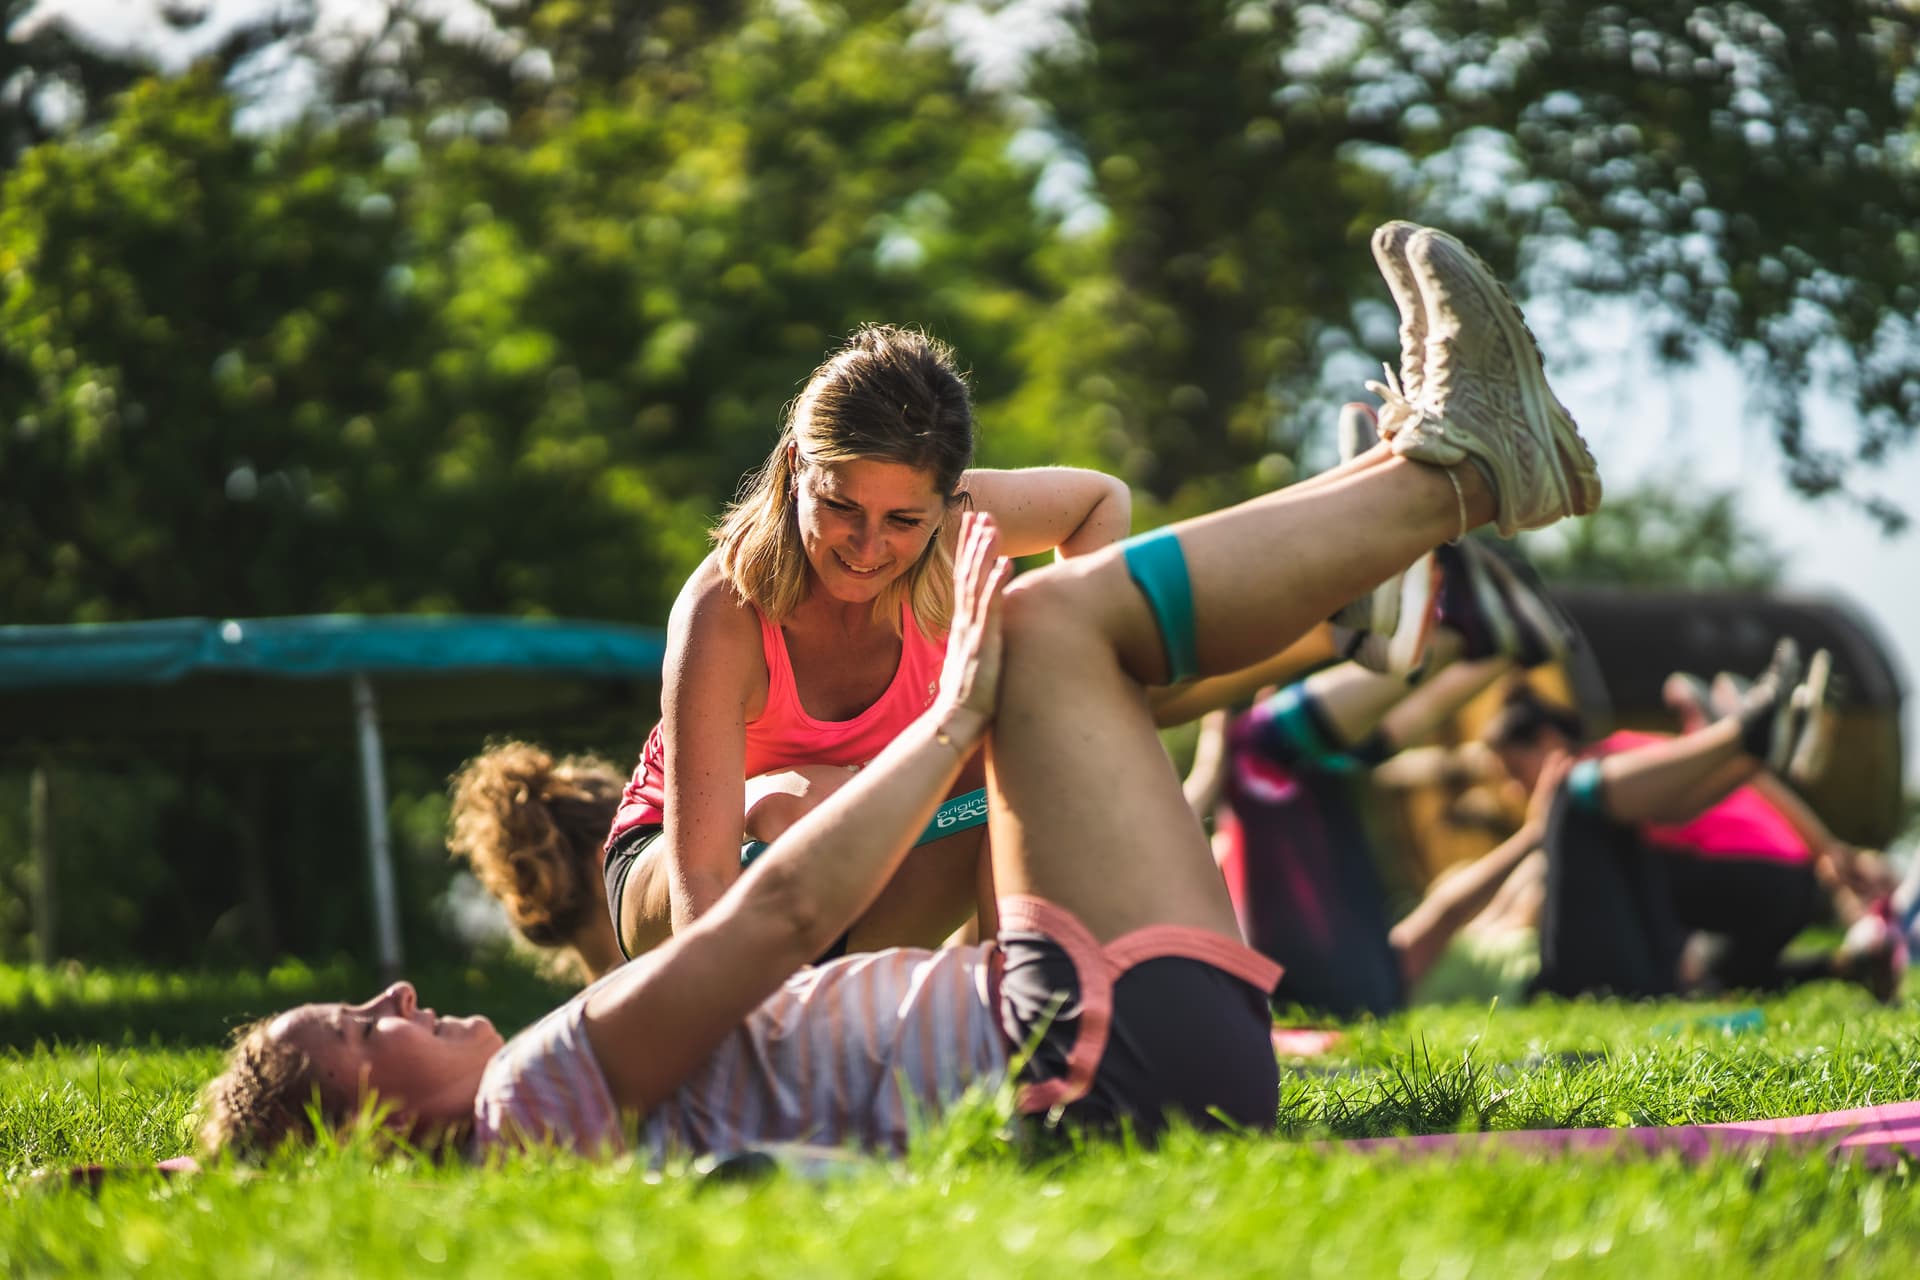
x: 40, y: 838
x: 373, y: 789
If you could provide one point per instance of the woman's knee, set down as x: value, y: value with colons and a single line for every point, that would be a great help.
x: 1066, y: 612
x: 775, y: 801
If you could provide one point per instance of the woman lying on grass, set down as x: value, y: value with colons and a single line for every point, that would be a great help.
x: 1117, y: 962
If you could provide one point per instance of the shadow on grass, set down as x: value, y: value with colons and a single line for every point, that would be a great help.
x: 116, y: 1007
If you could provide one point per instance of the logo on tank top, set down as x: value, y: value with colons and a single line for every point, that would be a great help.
x: 933, y: 687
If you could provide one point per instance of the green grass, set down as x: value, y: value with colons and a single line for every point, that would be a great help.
x: 968, y: 1204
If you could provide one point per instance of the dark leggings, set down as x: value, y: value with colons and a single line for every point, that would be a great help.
x: 1300, y: 866
x: 626, y: 850
x: 1618, y: 910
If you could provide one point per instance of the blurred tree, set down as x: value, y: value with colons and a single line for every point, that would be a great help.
x: 488, y: 357
x: 1745, y: 172
x: 48, y: 79
x: 488, y: 361
x: 1659, y: 537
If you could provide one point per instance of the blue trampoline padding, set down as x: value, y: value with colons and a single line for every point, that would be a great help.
x: 1159, y: 568
x: 170, y: 650
x: 958, y: 814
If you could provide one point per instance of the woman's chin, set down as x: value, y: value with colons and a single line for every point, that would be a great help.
x: 851, y: 588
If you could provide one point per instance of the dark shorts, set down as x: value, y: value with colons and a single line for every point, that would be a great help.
x: 635, y: 843
x: 1165, y: 1021
x: 1619, y: 910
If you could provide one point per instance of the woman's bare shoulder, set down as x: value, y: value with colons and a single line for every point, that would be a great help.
x: 714, y: 635
x: 710, y: 604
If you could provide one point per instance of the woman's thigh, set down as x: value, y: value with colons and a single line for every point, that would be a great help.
x: 930, y: 896
x: 1086, y: 807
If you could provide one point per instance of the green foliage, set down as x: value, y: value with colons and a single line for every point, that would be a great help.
x: 1659, y: 537
x: 472, y: 360
x: 427, y: 365
x: 1743, y: 171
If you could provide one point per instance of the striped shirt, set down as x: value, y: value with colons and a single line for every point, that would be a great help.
x: 545, y: 1088
x: 855, y: 1052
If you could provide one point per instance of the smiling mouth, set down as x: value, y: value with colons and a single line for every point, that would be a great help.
x: 855, y: 570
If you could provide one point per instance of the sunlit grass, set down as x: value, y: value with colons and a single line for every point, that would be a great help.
x: 969, y: 1202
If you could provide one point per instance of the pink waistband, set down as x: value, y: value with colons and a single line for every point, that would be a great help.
x: 1100, y: 966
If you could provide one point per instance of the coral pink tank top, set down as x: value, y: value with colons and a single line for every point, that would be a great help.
x: 784, y: 735
x: 1742, y: 825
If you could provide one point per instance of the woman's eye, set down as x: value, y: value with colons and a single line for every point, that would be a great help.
x: 906, y: 522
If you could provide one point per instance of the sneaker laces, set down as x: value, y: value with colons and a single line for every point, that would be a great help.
x: 1399, y: 410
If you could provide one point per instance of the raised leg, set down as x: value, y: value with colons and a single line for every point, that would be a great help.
x: 1087, y: 811
x: 1673, y: 781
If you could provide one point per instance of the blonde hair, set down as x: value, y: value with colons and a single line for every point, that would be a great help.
x: 270, y: 1095
x: 262, y: 1098
x: 889, y: 394
x: 532, y: 828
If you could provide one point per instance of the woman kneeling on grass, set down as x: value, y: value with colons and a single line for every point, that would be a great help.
x: 1118, y: 959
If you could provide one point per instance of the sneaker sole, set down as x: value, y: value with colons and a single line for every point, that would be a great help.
x: 1489, y: 601
x: 1379, y: 609
x: 1814, y: 743
x: 1419, y: 591
x: 1389, y: 245
x: 1552, y: 429
x: 1544, y: 632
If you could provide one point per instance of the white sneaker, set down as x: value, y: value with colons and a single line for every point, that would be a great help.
x: 1484, y: 393
x: 1387, y: 629
x: 1357, y: 431
x: 1813, y: 743
x: 1378, y: 611
x: 1390, y: 253
x: 1399, y: 649
x: 1771, y: 718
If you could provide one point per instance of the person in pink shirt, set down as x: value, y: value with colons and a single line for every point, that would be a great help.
x: 1655, y: 841
x: 812, y: 634
x: 1118, y: 961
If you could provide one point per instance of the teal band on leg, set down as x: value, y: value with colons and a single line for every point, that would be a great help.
x: 1584, y: 789
x: 1159, y: 568
x: 962, y: 813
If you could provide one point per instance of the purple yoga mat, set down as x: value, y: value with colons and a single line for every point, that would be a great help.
x: 1878, y: 1135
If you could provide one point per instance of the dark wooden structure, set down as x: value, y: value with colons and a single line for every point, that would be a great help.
x: 1636, y: 637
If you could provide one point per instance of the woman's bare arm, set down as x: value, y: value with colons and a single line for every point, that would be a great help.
x: 712, y: 667
x: 1208, y: 776
x: 1066, y: 509
x: 662, y: 1015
